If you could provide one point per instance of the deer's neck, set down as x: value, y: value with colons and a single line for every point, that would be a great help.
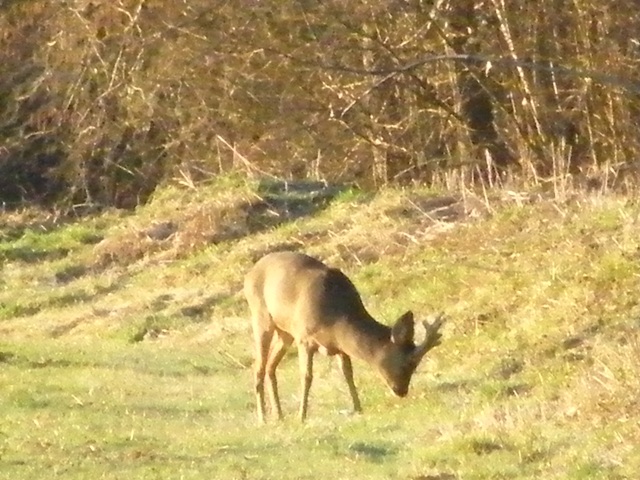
x: 364, y: 338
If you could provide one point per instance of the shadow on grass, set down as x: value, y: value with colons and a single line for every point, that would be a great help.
x: 69, y: 273
x: 457, y: 386
x: 33, y: 255
x: 485, y: 446
x: 28, y: 306
x: 201, y: 311
x: 436, y: 476
x: 19, y: 309
x: 11, y: 358
x: 177, y: 369
x: 282, y: 201
x: 33, y: 241
x: 372, y: 452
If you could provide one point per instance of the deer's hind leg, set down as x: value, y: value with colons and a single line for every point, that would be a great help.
x: 263, y: 330
x: 279, y: 344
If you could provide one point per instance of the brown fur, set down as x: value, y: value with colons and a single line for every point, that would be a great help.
x: 294, y: 297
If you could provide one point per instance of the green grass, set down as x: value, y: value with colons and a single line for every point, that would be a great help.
x: 143, y: 369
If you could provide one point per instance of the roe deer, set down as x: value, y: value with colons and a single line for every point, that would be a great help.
x: 295, y: 297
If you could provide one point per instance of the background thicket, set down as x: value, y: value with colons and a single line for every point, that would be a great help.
x: 102, y: 101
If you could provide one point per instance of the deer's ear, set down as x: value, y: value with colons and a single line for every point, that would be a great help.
x: 402, y: 330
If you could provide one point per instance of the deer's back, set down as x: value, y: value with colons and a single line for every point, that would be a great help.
x: 302, y: 295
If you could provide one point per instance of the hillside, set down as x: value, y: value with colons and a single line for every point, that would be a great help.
x: 125, y: 349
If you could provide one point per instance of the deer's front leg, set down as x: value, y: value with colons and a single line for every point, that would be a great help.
x: 347, y: 371
x: 305, y: 357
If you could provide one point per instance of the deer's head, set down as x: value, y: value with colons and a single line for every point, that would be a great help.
x: 402, y: 356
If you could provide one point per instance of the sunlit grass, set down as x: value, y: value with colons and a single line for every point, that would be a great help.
x: 143, y: 370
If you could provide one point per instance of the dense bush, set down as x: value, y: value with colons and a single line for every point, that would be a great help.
x: 101, y: 101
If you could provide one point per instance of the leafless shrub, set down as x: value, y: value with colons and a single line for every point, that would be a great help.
x: 104, y: 100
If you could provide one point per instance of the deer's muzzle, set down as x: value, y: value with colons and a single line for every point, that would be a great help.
x: 400, y: 391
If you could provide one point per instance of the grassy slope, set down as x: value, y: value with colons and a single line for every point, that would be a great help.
x: 130, y: 358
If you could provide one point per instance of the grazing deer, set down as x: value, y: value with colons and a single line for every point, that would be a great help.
x: 295, y: 297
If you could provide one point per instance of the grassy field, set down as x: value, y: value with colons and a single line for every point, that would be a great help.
x: 125, y: 351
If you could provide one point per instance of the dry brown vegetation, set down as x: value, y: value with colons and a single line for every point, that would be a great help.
x: 102, y: 101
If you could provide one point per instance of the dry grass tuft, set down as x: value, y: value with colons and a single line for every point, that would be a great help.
x: 392, y: 224
x: 177, y: 235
